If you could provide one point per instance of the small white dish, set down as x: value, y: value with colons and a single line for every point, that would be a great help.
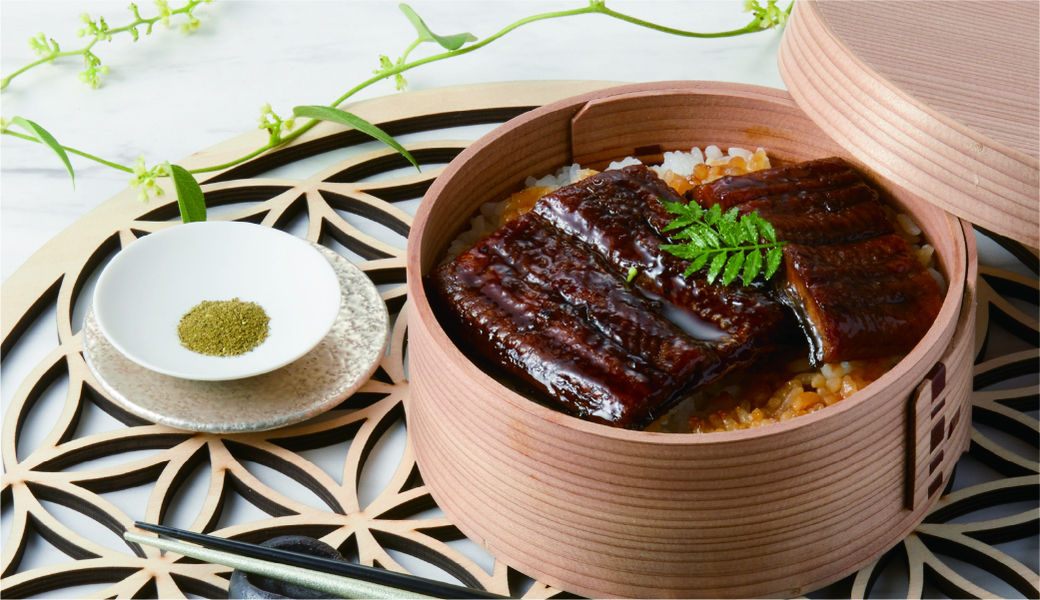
x: 145, y: 290
x: 318, y: 381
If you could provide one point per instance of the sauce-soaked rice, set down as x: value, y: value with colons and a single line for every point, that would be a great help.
x: 795, y: 391
x: 786, y: 391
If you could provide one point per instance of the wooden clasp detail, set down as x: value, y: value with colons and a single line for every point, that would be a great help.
x: 929, y: 426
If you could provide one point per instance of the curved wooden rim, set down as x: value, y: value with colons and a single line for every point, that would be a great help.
x: 940, y: 333
x: 71, y: 257
x: 87, y: 233
x: 1015, y: 153
x: 923, y: 150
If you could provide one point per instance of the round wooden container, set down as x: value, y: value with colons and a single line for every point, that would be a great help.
x: 598, y: 511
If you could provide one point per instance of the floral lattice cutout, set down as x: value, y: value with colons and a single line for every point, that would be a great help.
x: 75, y: 465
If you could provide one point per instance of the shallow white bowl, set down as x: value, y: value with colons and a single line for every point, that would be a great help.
x: 145, y: 290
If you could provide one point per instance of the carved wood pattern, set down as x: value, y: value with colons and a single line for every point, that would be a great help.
x: 56, y: 276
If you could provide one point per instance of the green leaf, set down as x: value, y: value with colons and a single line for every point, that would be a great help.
x: 710, y: 236
x: 733, y: 268
x: 773, y: 259
x: 681, y: 250
x: 716, y: 266
x: 729, y: 228
x: 676, y: 208
x: 335, y: 115
x: 685, y: 234
x: 766, y: 229
x: 729, y: 240
x: 749, y: 229
x: 726, y: 234
x: 752, y: 266
x: 690, y: 232
x: 48, y: 140
x: 698, y: 262
x: 713, y: 214
x: 190, y: 200
x: 688, y: 214
x: 707, y: 239
x: 680, y: 222
x: 448, y: 42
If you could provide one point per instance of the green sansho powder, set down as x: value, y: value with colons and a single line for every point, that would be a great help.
x: 223, y: 327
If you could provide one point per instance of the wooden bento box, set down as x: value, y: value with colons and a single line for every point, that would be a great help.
x: 598, y: 511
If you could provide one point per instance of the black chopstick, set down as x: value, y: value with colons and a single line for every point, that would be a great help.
x: 419, y: 585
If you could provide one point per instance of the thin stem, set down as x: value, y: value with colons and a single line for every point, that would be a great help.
x: 401, y: 68
x: 408, y: 51
x: 86, y: 155
x: 692, y: 34
x: 285, y: 139
x: 408, y: 66
x: 383, y: 75
x: 139, y: 21
x: 48, y: 58
x: 594, y: 7
x: 187, y: 8
x: 769, y: 245
x: 237, y: 161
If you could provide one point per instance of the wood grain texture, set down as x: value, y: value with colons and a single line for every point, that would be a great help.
x: 58, y: 470
x: 54, y: 473
x: 939, y: 98
x: 977, y: 62
x: 606, y: 512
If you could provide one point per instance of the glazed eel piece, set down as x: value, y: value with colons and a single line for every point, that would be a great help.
x: 547, y: 309
x: 619, y: 214
x: 853, y: 282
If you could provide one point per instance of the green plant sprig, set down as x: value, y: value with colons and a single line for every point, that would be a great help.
x: 762, y: 19
x: 100, y: 31
x: 729, y: 245
x: 281, y: 132
x: 87, y: 155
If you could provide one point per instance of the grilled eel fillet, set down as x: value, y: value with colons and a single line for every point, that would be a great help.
x: 854, y: 283
x: 544, y: 298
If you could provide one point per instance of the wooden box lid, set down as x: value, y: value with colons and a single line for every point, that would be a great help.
x: 940, y: 98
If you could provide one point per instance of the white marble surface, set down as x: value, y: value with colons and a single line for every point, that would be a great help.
x: 169, y: 95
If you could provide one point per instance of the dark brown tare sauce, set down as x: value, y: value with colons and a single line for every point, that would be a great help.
x: 855, y: 285
x: 548, y: 298
x: 619, y: 214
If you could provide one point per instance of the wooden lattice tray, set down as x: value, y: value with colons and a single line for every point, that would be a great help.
x: 361, y: 206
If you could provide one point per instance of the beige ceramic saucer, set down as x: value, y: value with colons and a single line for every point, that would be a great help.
x: 318, y: 381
